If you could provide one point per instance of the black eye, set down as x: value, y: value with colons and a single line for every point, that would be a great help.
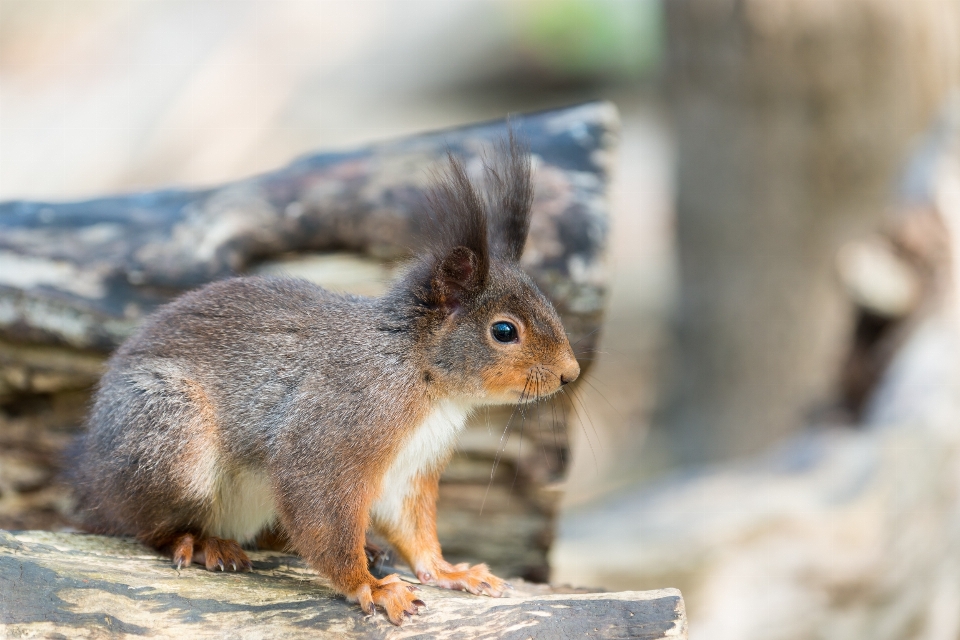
x: 503, y: 332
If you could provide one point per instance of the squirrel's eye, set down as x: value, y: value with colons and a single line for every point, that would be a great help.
x: 503, y: 332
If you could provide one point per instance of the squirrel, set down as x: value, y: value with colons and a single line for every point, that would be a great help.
x: 258, y: 402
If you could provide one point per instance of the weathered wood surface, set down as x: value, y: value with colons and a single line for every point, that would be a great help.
x: 76, y: 278
x: 82, y: 274
x: 78, y: 586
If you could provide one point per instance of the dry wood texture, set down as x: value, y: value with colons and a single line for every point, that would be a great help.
x: 77, y: 586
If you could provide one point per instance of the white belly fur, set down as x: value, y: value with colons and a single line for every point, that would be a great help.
x: 243, y: 499
x: 242, y: 506
x: 428, y: 446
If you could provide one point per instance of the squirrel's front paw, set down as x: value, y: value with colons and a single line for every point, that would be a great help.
x: 462, y: 577
x: 395, y: 597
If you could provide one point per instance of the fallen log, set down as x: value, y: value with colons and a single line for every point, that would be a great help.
x: 83, y: 273
x: 79, y: 586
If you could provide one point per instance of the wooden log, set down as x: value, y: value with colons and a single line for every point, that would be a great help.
x: 76, y: 278
x: 78, y: 586
x: 82, y: 274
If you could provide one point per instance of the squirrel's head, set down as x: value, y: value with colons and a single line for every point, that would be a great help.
x: 488, y: 331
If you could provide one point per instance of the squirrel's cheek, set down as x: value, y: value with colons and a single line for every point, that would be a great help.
x: 507, y: 383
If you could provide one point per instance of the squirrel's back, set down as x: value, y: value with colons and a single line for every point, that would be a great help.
x: 207, y: 382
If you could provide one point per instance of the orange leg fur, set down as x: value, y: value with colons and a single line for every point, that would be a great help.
x: 415, y: 538
x: 339, y: 554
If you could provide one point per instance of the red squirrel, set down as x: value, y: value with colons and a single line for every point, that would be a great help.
x: 259, y: 402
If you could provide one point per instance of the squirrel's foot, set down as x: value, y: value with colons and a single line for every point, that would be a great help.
x: 183, y: 551
x: 216, y: 554
x: 462, y: 577
x: 395, y: 597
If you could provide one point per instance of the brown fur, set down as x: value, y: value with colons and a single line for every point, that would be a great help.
x: 271, y: 405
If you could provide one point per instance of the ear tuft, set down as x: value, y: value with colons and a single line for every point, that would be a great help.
x: 510, y: 196
x: 459, y: 246
x: 458, y: 237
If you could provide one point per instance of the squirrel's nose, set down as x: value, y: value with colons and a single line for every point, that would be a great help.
x: 571, y: 374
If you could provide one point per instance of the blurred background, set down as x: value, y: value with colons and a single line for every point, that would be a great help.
x: 771, y: 422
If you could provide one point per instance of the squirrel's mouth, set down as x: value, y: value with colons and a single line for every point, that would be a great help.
x: 541, y: 383
x: 522, y: 395
x: 522, y: 386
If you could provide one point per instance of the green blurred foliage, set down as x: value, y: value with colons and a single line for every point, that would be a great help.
x: 589, y: 39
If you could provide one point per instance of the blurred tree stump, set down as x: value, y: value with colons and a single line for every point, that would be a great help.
x: 839, y: 532
x: 77, y: 586
x: 791, y: 119
x: 76, y: 278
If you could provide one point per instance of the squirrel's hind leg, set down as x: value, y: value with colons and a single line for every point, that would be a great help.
x: 216, y: 554
x: 223, y: 555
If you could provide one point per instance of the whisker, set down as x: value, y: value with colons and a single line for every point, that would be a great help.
x: 596, y: 464
x: 501, y: 446
x: 582, y: 355
x: 516, y: 473
x: 556, y: 443
x: 582, y: 338
x: 540, y: 401
x: 583, y: 406
x: 553, y: 403
x: 610, y: 404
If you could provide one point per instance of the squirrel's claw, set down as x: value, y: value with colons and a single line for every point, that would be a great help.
x: 462, y: 577
x: 183, y: 551
x: 390, y: 594
x: 218, y: 554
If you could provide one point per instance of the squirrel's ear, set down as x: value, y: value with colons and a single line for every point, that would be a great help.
x: 458, y: 238
x: 456, y: 277
x: 510, y: 196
